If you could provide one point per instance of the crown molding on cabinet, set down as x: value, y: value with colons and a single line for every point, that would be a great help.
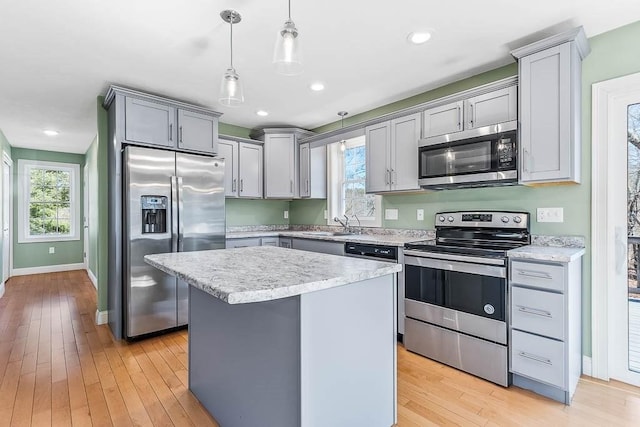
x: 576, y: 35
x: 240, y: 139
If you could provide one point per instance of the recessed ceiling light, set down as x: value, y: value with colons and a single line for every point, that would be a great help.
x: 419, y: 37
x: 50, y: 132
x: 262, y: 113
x: 317, y: 87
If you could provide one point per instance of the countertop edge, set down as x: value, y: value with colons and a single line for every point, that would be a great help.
x: 546, y: 253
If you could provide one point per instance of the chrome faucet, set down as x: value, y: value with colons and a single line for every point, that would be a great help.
x: 344, y: 224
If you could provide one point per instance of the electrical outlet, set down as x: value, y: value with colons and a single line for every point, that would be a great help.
x: 391, y: 214
x: 286, y: 214
x: 326, y: 214
x: 52, y: 249
x: 420, y: 214
x: 550, y: 215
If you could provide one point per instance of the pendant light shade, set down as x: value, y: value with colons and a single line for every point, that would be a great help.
x: 287, y: 55
x: 343, y: 143
x: 231, y: 92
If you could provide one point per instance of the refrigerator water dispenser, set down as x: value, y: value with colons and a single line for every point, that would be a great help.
x: 154, y: 214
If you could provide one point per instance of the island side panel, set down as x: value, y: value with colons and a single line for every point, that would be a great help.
x: 244, y: 360
x: 348, y: 355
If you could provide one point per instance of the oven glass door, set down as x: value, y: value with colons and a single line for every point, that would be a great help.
x: 476, y: 157
x: 475, y: 294
x: 424, y: 284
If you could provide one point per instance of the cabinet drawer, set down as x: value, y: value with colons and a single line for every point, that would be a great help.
x: 538, y: 358
x: 544, y: 276
x: 539, y: 312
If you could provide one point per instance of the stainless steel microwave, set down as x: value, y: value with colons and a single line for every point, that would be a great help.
x: 479, y: 157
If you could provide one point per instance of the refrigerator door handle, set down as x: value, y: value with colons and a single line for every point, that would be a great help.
x: 180, y: 219
x: 174, y: 214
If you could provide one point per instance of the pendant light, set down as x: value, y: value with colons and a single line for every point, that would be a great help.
x: 231, y: 92
x: 343, y: 143
x: 287, y: 56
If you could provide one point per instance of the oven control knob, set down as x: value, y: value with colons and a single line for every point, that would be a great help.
x: 489, y: 309
x: 517, y: 219
x: 441, y: 218
x: 505, y: 219
x: 450, y: 219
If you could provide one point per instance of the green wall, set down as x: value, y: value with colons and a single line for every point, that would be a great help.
x: 233, y: 130
x: 91, y: 165
x: 27, y: 255
x: 4, y: 147
x: 256, y: 212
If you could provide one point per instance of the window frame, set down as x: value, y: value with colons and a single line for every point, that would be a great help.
x: 25, y: 167
x: 335, y: 171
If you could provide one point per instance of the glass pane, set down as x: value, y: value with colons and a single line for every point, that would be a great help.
x: 37, y: 177
x: 64, y: 226
x: 633, y: 230
x: 49, y: 194
x: 50, y: 178
x: 37, y: 194
x: 64, y: 211
x: 35, y: 227
x: 64, y: 179
x: 50, y: 225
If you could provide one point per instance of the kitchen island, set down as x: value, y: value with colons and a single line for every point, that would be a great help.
x: 281, y: 337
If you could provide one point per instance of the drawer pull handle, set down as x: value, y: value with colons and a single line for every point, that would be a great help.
x: 536, y: 311
x: 536, y: 358
x: 536, y: 274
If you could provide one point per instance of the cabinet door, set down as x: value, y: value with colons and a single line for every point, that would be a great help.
x: 243, y: 243
x: 443, y: 120
x: 197, y: 131
x: 490, y: 108
x: 149, y: 122
x: 228, y: 150
x: 250, y: 170
x: 377, y: 142
x: 545, y: 115
x: 318, y: 172
x: 405, y: 133
x: 305, y: 170
x: 269, y: 241
x: 279, y: 166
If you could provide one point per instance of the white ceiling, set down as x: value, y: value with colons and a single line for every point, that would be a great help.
x: 57, y: 56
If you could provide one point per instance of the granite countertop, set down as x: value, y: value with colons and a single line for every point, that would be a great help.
x: 546, y: 253
x: 375, y: 239
x: 264, y: 273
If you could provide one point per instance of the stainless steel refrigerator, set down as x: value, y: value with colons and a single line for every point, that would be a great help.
x: 173, y: 202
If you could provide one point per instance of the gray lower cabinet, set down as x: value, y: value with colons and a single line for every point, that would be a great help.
x: 246, y: 242
x: 545, y: 327
x: 550, y: 108
x: 322, y: 246
x: 153, y: 120
x: 392, y: 154
x: 270, y: 241
x: 285, y: 242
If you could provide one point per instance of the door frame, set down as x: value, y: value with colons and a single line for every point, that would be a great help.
x: 603, y: 243
x: 6, y: 160
x: 85, y: 216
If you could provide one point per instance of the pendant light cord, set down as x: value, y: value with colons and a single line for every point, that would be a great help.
x: 289, y: 10
x: 231, y: 39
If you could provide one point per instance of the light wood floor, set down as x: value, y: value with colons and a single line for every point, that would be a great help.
x: 58, y: 368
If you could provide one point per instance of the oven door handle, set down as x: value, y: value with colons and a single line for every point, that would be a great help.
x: 462, y: 267
x: 454, y: 257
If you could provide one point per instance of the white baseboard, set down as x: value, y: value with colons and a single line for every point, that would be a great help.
x: 1, y: 289
x: 93, y: 278
x: 46, y: 269
x: 586, y: 365
x: 102, y: 317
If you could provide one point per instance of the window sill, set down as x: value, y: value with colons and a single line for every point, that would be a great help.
x: 48, y: 239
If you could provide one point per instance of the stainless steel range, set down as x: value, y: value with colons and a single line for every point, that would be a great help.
x: 456, y: 291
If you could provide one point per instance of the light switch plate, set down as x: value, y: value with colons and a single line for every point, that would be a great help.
x: 391, y: 214
x: 286, y: 214
x: 550, y: 214
x: 420, y: 214
x: 326, y: 214
x: 52, y: 249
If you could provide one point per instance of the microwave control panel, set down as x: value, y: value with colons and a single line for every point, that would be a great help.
x: 506, y: 153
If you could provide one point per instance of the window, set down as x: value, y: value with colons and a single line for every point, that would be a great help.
x: 347, y: 182
x: 48, y: 201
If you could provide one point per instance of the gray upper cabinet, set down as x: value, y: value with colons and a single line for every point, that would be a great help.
x: 243, y: 168
x: 392, y: 154
x: 491, y: 108
x: 149, y: 122
x: 443, y: 120
x: 250, y: 170
x: 228, y: 150
x: 550, y: 108
x: 281, y: 161
x: 147, y: 119
x: 197, y: 131
x: 313, y: 171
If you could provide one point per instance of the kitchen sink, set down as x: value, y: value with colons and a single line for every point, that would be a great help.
x: 328, y: 233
